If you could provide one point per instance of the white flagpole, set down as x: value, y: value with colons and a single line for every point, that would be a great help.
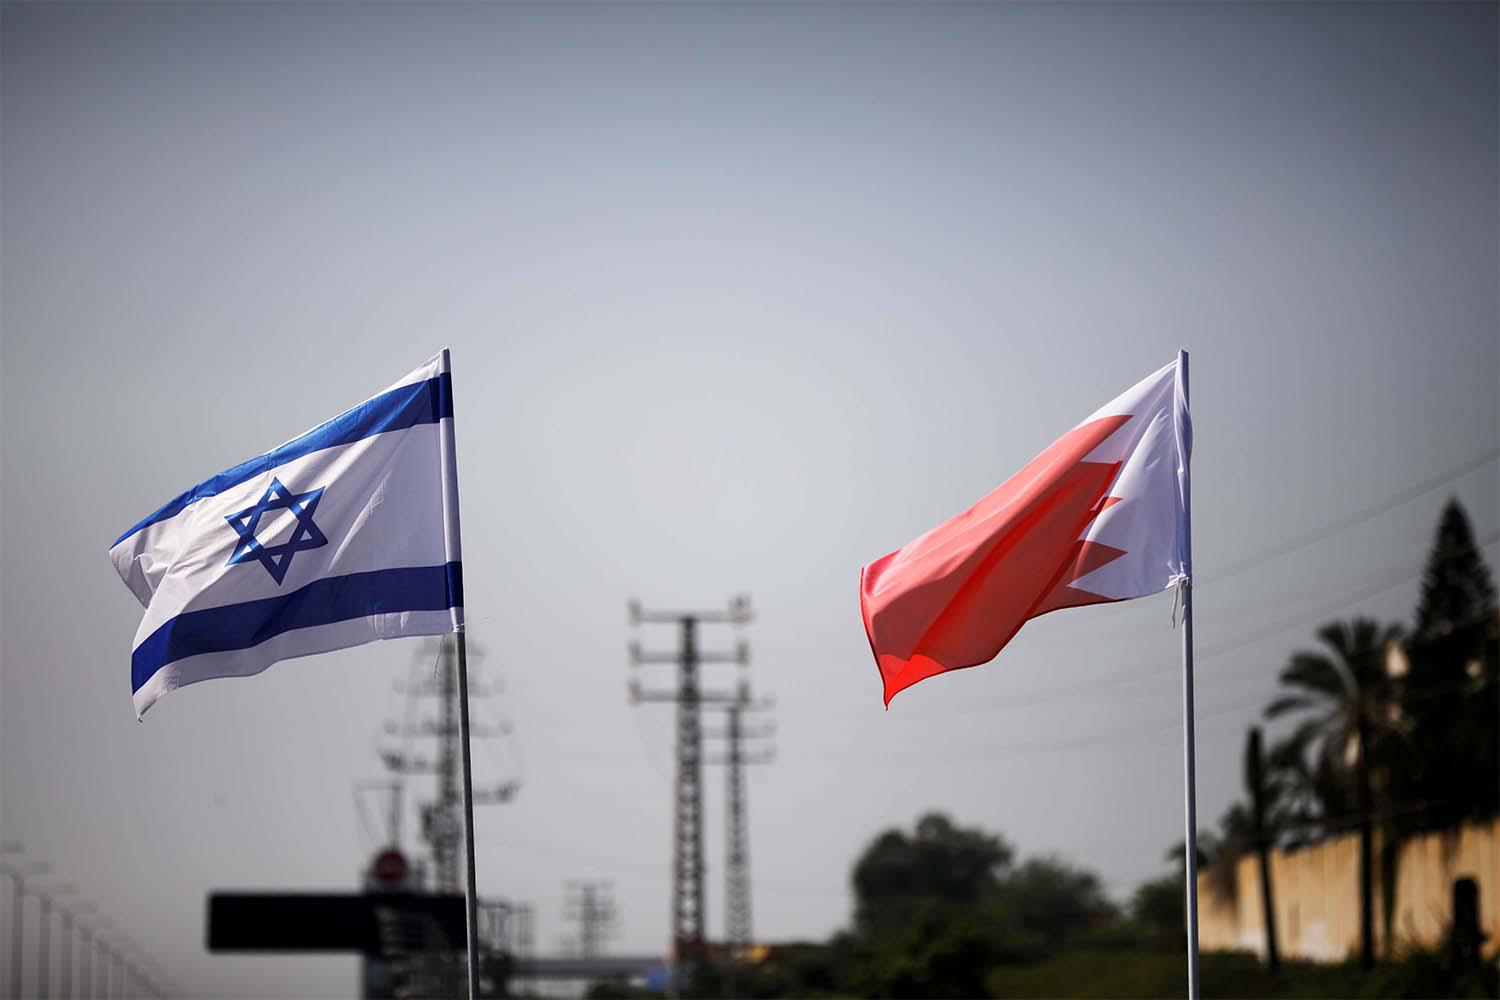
x: 448, y: 460
x: 1190, y: 797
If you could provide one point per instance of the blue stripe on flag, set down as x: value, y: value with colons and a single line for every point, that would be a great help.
x: 405, y: 406
x: 322, y: 602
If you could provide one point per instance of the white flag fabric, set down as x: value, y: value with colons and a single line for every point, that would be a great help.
x: 343, y: 535
x: 1143, y: 522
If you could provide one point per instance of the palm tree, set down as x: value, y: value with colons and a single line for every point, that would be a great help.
x: 1263, y: 816
x: 1349, y: 707
x: 1310, y: 796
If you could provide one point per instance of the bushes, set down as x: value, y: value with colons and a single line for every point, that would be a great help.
x: 1152, y: 974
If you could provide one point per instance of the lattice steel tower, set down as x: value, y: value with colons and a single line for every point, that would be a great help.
x: 738, y: 933
x: 687, y: 810
x: 592, y: 904
x: 442, y: 823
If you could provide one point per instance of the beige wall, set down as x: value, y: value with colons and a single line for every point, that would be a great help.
x: 1316, y: 895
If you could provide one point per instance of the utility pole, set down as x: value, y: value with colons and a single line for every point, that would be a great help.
x: 442, y: 817
x: 525, y: 943
x: 592, y: 904
x: 688, y: 935
x: 738, y: 934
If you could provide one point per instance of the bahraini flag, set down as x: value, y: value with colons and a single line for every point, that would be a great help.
x: 1099, y: 516
x: 345, y: 534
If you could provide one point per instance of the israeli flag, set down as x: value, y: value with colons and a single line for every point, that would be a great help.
x: 346, y: 534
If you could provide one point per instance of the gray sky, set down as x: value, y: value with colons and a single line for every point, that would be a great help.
x: 740, y: 299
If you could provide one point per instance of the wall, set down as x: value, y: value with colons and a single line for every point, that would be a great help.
x: 1316, y: 894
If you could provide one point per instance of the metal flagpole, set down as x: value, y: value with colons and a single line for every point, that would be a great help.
x: 448, y: 462
x: 1190, y: 781
x: 469, y: 891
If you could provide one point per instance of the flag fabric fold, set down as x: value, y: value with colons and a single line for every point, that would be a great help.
x: 343, y: 535
x: 1099, y: 516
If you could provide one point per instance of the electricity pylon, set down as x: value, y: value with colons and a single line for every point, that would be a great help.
x: 738, y: 935
x: 592, y: 904
x: 442, y: 824
x: 687, y: 811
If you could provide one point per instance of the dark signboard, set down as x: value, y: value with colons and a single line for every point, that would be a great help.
x: 377, y: 924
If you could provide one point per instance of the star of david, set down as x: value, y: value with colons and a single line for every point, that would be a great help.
x: 277, y: 558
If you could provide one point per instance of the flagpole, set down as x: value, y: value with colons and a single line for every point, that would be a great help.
x: 1190, y: 796
x: 452, y: 540
x: 470, y: 893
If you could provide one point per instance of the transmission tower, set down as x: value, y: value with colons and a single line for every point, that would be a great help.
x: 442, y: 822
x: 736, y: 756
x: 592, y: 904
x: 687, y: 808
x: 524, y: 943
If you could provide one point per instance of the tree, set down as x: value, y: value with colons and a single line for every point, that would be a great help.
x: 1159, y: 910
x: 1453, y: 669
x: 1262, y: 804
x: 926, y: 910
x: 1053, y: 900
x: 939, y: 863
x: 1456, y: 585
x: 937, y: 909
x: 1349, y: 705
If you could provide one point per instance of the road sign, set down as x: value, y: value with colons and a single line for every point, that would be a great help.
x: 389, y: 866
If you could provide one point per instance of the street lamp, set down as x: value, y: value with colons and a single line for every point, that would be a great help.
x: 161, y: 982
x: 101, y: 953
x: 18, y: 875
x: 70, y: 920
x: 86, y: 931
x: 121, y: 975
x: 124, y: 969
x: 44, y: 898
x: 137, y: 968
x: 127, y: 964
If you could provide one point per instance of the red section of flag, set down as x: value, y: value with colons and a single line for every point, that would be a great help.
x: 955, y: 596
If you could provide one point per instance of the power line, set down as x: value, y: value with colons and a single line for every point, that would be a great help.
x: 1350, y: 520
x: 1358, y: 593
x: 1155, y: 728
x: 1158, y: 672
x: 623, y: 869
x: 1160, y: 727
x: 1327, y: 530
x: 648, y: 751
x: 1316, y: 534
